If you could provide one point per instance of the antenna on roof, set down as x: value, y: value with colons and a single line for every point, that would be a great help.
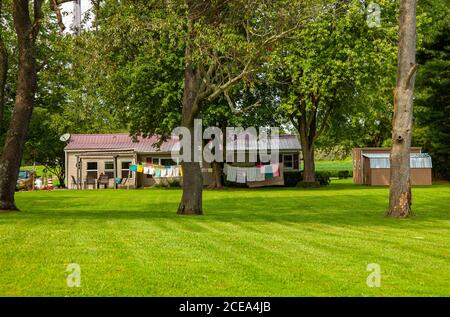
x: 77, y: 16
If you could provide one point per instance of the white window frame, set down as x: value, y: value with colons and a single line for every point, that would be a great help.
x: 91, y: 170
x: 108, y: 170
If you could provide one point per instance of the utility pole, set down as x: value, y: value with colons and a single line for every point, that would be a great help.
x: 77, y: 16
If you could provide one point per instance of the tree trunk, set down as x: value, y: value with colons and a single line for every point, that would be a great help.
x: 23, y: 107
x: 217, y: 173
x: 400, y: 184
x: 309, y: 171
x: 3, y: 73
x: 191, y: 201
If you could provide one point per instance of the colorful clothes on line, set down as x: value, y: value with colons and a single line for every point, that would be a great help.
x: 140, y: 168
x: 133, y: 168
x: 157, y: 172
x: 268, y: 171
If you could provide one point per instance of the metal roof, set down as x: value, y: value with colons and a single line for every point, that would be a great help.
x: 123, y: 142
x: 120, y: 141
x: 285, y: 142
x: 382, y: 160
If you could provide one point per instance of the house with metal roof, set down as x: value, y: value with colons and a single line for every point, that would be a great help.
x: 89, y: 156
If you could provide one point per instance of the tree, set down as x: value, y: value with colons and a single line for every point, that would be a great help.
x: 432, y: 97
x: 27, y: 23
x: 400, y: 184
x: 207, y: 48
x: 325, y: 70
x: 3, y: 70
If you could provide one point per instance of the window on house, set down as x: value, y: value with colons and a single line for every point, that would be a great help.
x: 92, y: 170
x: 155, y: 161
x: 126, y: 170
x: 109, y: 169
x: 288, y: 161
x: 168, y: 162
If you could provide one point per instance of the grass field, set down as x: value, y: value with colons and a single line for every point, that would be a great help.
x: 264, y: 242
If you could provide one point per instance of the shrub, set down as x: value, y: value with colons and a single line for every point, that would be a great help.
x: 323, y: 178
x: 343, y: 174
x: 291, y: 179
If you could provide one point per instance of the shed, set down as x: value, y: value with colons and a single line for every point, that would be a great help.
x: 358, y: 160
x: 376, y: 169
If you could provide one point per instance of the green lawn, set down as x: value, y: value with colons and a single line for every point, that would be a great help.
x: 335, y: 166
x: 264, y: 242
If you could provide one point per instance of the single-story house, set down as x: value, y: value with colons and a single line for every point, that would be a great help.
x: 90, y: 155
x: 371, y: 166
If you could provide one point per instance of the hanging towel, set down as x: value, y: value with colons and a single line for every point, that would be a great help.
x: 163, y: 172
x: 133, y: 168
x: 275, y: 170
x: 181, y: 171
x: 151, y: 171
x: 268, y: 171
x: 146, y: 170
x: 251, y: 174
x: 231, y: 176
x: 140, y: 168
x: 157, y: 172
x: 260, y: 174
x: 241, y: 175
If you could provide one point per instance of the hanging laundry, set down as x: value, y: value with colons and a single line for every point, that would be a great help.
x: 181, y: 171
x: 146, y: 170
x: 241, y: 175
x: 231, y: 176
x: 175, y: 171
x: 260, y: 174
x: 268, y: 171
x: 151, y: 170
x: 157, y: 172
x: 251, y: 174
x: 164, y: 172
x: 139, y: 168
x: 133, y: 168
x: 276, y: 170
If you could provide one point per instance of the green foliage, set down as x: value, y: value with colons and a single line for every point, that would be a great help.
x: 432, y: 102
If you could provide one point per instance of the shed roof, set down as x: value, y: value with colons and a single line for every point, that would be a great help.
x: 381, y: 160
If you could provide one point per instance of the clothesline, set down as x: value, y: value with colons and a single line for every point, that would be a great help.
x: 157, y: 170
x: 257, y: 173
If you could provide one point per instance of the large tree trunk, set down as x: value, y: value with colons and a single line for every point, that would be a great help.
x: 309, y: 170
x: 3, y: 74
x: 23, y: 108
x: 191, y: 201
x: 307, y: 129
x: 400, y: 184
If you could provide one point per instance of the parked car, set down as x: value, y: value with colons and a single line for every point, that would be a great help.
x: 26, y: 180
